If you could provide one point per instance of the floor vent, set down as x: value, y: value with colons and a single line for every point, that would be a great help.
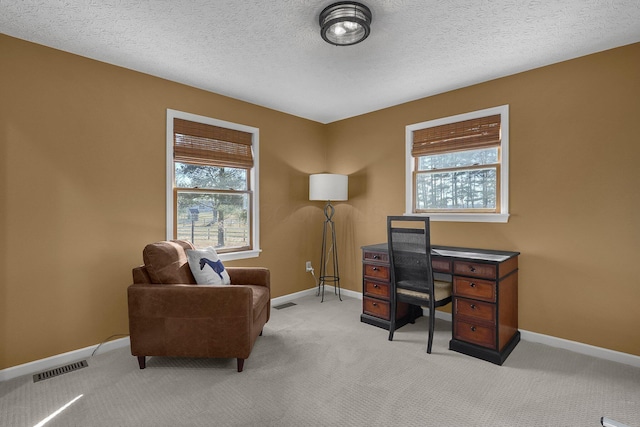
x: 285, y: 305
x: 59, y: 371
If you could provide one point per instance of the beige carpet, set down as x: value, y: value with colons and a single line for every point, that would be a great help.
x: 318, y: 365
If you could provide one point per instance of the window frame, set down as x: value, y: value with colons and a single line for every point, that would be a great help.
x: 253, y: 180
x: 503, y: 180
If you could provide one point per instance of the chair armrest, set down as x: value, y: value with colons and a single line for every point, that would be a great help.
x: 250, y: 276
x: 189, y: 301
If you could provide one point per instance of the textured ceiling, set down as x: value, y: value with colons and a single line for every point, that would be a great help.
x: 269, y: 52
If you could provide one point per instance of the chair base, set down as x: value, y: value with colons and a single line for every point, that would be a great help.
x: 142, y: 362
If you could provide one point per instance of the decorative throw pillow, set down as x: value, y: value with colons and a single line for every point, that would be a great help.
x: 207, y: 267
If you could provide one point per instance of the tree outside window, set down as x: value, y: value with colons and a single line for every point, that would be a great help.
x: 460, y: 180
x: 213, y: 206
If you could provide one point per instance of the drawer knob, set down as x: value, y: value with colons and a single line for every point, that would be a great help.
x: 473, y: 306
x: 375, y: 304
x: 375, y: 268
x: 473, y: 285
x: 472, y: 268
x: 473, y: 329
x: 376, y: 257
x: 375, y: 286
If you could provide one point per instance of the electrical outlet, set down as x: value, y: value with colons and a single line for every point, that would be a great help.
x: 308, y: 266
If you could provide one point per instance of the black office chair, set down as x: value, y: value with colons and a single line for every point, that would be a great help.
x: 411, y: 271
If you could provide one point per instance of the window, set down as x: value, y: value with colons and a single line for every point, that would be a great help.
x: 212, y: 184
x: 457, y: 167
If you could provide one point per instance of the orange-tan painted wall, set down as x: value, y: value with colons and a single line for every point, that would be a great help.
x: 82, y: 175
x: 82, y: 191
x: 574, y: 189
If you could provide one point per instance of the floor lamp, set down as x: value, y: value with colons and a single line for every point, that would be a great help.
x: 328, y: 187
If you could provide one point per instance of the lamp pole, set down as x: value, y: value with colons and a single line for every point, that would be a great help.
x: 329, y: 253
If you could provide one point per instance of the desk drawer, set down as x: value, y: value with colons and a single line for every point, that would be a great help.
x: 475, y: 269
x: 441, y: 265
x: 474, y: 288
x: 376, y: 256
x: 376, y: 289
x: 474, y: 333
x: 376, y: 307
x: 475, y: 310
x: 377, y: 271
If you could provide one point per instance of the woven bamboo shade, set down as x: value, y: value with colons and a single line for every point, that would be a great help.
x: 203, y: 144
x: 483, y: 132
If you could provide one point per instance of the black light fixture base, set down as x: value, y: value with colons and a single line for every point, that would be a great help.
x: 345, y: 23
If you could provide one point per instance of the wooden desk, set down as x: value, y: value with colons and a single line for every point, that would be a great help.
x: 485, y: 297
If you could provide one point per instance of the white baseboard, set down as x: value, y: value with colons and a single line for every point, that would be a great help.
x: 75, y: 355
x: 577, y: 347
x: 60, y: 359
x: 312, y: 291
x: 290, y: 297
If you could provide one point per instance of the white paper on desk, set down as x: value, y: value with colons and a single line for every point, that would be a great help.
x: 471, y: 255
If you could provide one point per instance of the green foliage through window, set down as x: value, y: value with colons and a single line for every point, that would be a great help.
x: 457, y: 180
x: 213, y: 206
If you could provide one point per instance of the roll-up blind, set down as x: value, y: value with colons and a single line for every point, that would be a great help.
x: 483, y: 132
x: 204, y: 144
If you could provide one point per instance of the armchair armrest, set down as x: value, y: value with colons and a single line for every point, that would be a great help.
x: 250, y: 276
x: 189, y: 301
x: 257, y: 276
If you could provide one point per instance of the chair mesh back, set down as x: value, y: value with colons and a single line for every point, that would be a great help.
x: 410, y: 253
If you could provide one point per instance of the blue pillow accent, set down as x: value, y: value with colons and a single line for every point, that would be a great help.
x: 215, y: 265
x: 206, y: 267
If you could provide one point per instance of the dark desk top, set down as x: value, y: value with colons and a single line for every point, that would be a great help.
x: 487, y: 255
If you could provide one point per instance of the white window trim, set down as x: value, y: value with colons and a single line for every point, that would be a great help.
x: 503, y: 215
x: 253, y: 178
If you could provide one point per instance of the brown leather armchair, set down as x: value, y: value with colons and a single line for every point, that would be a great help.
x: 169, y: 315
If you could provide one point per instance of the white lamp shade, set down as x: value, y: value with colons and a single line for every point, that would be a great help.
x: 328, y: 186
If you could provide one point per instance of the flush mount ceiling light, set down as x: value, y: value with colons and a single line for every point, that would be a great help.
x: 345, y: 23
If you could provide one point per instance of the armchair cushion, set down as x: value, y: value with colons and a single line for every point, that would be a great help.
x: 206, y: 267
x: 166, y: 262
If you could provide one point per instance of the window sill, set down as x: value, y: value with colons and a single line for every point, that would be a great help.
x: 230, y: 256
x: 466, y: 217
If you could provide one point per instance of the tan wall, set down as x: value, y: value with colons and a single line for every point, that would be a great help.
x: 82, y: 174
x: 82, y: 190
x: 573, y: 187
